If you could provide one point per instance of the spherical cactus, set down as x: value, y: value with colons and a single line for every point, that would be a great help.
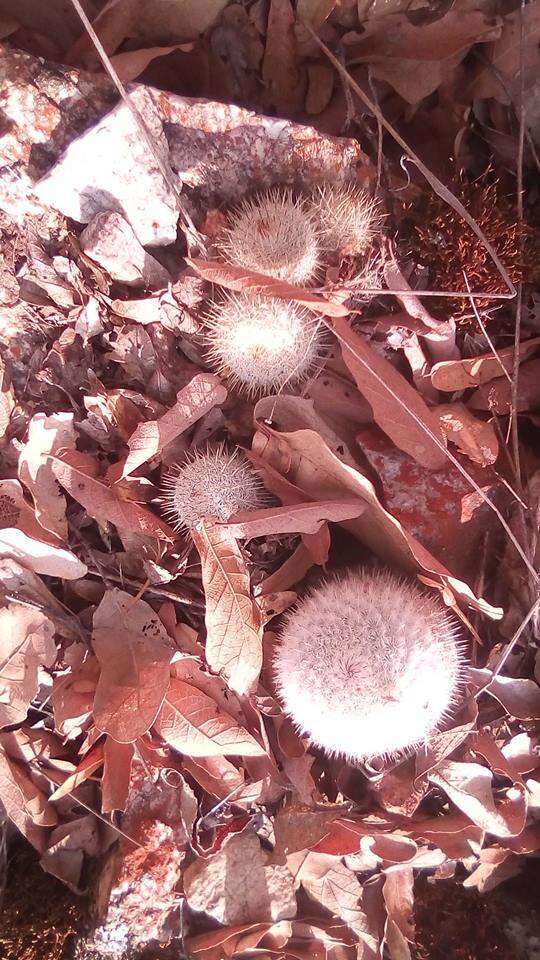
x: 368, y: 665
x: 275, y: 234
x: 347, y: 217
x: 212, y: 485
x: 262, y: 344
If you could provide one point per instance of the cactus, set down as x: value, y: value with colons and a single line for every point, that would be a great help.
x: 347, y: 216
x: 261, y: 344
x: 215, y: 484
x: 274, y: 234
x: 368, y: 665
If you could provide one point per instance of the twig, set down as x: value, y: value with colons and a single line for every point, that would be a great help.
x: 141, y: 589
x: 486, y: 334
x: 189, y: 226
x: 433, y: 181
x: 524, y: 623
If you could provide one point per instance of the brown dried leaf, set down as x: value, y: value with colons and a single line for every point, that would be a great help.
x: 46, y: 436
x: 280, y: 70
x: 26, y: 805
x: 232, y: 617
x: 245, y: 281
x: 398, y: 898
x: 193, y: 723
x: 497, y: 395
x: 495, y: 867
x: 87, y: 766
x: 469, y: 786
x: 134, y: 652
x: 112, y: 25
x: 300, y: 518
x: 101, y: 503
x: 521, y: 698
x: 131, y: 63
x: 203, y: 393
x: 453, y: 375
x: 369, y: 369
x: 7, y: 399
x: 328, y: 881
x: 72, y: 697
x: 320, y: 472
x: 26, y: 642
x: 298, y: 826
x: 474, y: 437
x: 117, y: 759
x: 239, y: 885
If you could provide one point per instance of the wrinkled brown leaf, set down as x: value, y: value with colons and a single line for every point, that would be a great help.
x: 233, y: 619
x: 497, y: 395
x: 101, y: 503
x: 134, y: 652
x: 328, y: 881
x: 280, y: 69
x: 368, y: 369
x: 521, y: 698
x: 300, y: 518
x: 117, y: 759
x: 237, y: 278
x: 473, y: 436
x: 203, y: 393
x: 46, y: 436
x: 398, y: 899
x: 469, y: 786
x: 26, y: 642
x: 459, y: 374
x: 26, y: 805
x: 191, y: 722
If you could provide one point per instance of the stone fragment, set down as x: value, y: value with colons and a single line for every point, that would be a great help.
x: 109, y: 240
x: 111, y: 167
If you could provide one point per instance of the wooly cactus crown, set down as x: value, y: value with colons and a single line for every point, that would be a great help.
x: 369, y: 665
x: 215, y: 484
x: 275, y: 234
x: 347, y: 218
x: 262, y: 344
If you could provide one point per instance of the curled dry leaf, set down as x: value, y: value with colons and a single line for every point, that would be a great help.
x: 495, y: 867
x: 26, y: 642
x: 117, y: 760
x: 239, y: 885
x: 469, y: 786
x: 473, y: 436
x: 298, y: 826
x: 233, y: 619
x: 134, y: 652
x: 497, y: 395
x: 453, y: 375
x: 335, y: 887
x: 398, y: 900
x: 375, y: 377
x: 242, y: 280
x: 72, y: 697
x: 300, y: 518
x: 87, y: 766
x: 46, y: 436
x: 102, y: 503
x: 192, y: 403
x: 319, y: 471
x: 193, y: 723
x: 521, y: 698
x: 25, y: 804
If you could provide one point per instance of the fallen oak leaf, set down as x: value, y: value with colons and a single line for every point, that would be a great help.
x: 297, y: 518
x: 101, y: 503
x: 246, y: 281
x: 196, y: 399
x: 450, y: 375
x: 134, y: 652
x: 377, y: 379
x: 232, y: 617
x: 192, y: 722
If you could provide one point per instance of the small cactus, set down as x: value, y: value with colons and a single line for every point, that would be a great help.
x: 274, y: 234
x: 261, y: 344
x: 213, y: 485
x: 347, y: 218
x: 368, y: 665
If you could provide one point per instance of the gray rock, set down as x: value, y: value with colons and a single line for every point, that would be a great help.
x: 110, y: 241
x: 111, y: 167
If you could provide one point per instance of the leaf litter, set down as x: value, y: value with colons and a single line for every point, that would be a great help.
x: 136, y: 674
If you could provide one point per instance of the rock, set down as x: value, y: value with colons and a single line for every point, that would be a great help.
x: 109, y: 240
x: 43, y: 107
x: 111, y: 167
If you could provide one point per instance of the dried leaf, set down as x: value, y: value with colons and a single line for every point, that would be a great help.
x: 398, y: 899
x: 192, y: 403
x: 453, y: 375
x: 193, y: 723
x: 26, y: 805
x: 26, y: 642
x: 117, y: 760
x: 280, y: 69
x: 134, y: 652
x: 237, y: 278
x: 101, y: 503
x: 468, y: 785
x: 494, y: 868
x: 300, y: 518
x: 130, y: 64
x: 328, y: 881
x: 238, y: 885
x: 320, y: 472
x: 298, y: 826
x: 369, y: 369
x: 474, y: 437
x: 87, y: 766
x: 46, y: 436
x: 7, y: 399
x: 521, y: 698
x: 112, y: 25
x: 497, y: 395
x: 233, y: 619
